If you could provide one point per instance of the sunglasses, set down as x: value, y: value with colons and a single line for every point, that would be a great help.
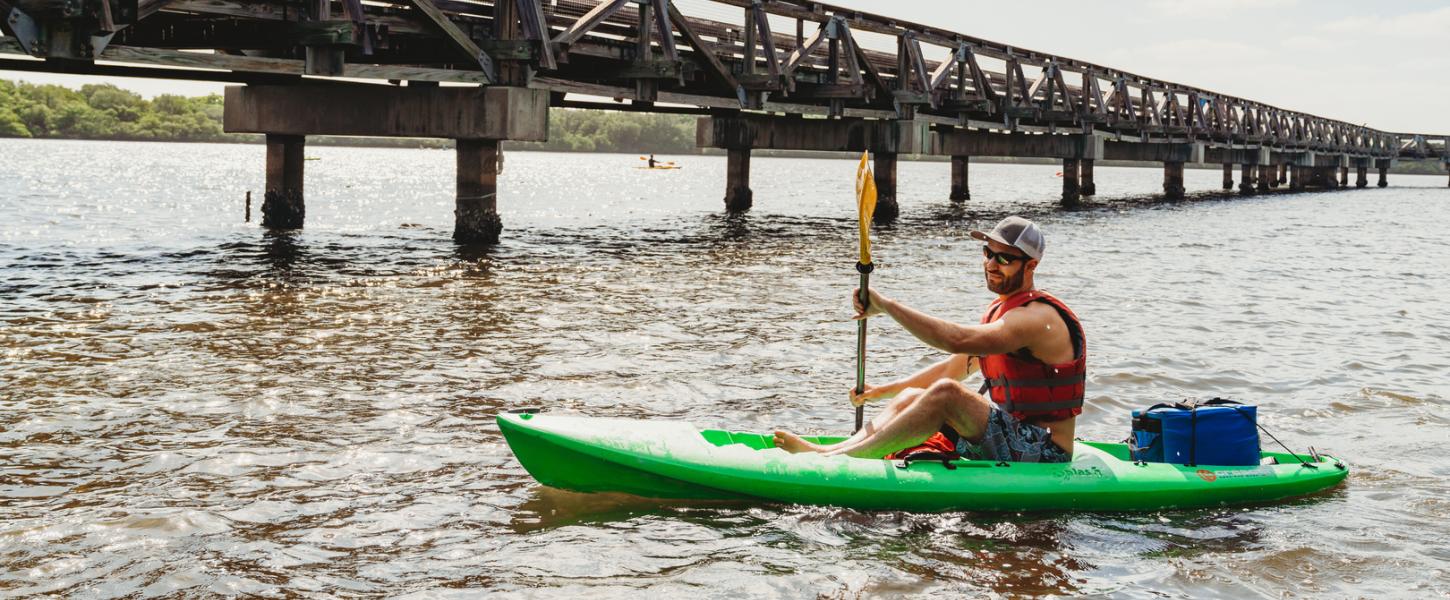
x: 1003, y: 258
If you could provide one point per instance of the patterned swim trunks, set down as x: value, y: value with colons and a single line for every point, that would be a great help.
x: 1011, y: 440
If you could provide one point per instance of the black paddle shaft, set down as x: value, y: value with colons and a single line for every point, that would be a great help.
x: 865, y: 270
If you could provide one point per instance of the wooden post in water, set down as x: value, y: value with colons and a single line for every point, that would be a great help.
x: 1361, y: 177
x: 1173, y: 180
x: 1344, y: 176
x: 885, y: 172
x: 1273, y: 175
x: 1283, y: 174
x: 1384, y: 175
x: 249, y: 207
x: 1228, y: 176
x: 1087, y: 186
x: 1266, y: 175
x: 960, y: 190
x: 476, y: 218
x: 282, y: 205
x: 1246, y: 178
x: 1071, y: 184
x: 1296, y: 178
x: 738, y: 197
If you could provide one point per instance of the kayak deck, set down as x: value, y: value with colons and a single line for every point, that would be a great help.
x: 667, y: 459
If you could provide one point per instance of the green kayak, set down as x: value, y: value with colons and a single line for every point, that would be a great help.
x: 672, y: 459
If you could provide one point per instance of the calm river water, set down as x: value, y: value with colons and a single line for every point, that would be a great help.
x: 191, y: 406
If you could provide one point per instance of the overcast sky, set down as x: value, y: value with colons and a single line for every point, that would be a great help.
x: 1385, y: 64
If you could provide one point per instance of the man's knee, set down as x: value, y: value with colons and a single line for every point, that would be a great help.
x: 953, y: 394
x: 905, y: 398
x: 947, y: 386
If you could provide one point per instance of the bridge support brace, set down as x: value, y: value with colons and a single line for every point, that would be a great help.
x: 479, y: 118
x: 1228, y: 176
x: 960, y: 189
x: 886, y: 207
x: 1173, y: 180
x: 1246, y: 177
x: 1361, y: 177
x: 475, y: 213
x: 282, y: 207
x: 1071, y: 182
x: 738, y: 197
x: 1088, y: 187
x: 1266, y: 175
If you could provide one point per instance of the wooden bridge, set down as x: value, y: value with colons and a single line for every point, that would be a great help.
x: 776, y: 74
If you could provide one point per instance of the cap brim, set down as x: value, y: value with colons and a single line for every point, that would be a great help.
x: 986, y: 237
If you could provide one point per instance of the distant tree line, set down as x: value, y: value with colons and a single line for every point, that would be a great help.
x: 107, y: 112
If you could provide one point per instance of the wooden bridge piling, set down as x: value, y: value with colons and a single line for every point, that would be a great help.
x: 282, y: 204
x: 1384, y: 169
x: 475, y: 214
x: 961, y: 191
x: 1361, y: 176
x: 1071, y: 182
x: 1246, y: 178
x: 1228, y: 176
x: 1173, y: 180
x: 738, y: 196
x: 1088, y: 187
x: 1265, y: 175
x: 885, y: 170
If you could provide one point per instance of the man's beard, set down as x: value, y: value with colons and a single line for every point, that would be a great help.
x: 1009, y: 284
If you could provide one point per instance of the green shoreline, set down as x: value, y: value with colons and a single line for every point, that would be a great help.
x: 107, y: 112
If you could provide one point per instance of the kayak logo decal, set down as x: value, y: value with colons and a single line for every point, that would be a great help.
x: 1207, y: 475
x: 1071, y: 472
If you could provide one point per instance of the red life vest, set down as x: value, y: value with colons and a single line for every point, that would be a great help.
x: 1029, y: 389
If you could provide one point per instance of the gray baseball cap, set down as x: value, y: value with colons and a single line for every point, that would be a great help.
x: 1018, y: 233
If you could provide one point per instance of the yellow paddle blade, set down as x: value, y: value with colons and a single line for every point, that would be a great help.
x: 865, y: 204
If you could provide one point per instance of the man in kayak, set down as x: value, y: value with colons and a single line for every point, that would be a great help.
x: 1029, y: 347
x: 651, y: 161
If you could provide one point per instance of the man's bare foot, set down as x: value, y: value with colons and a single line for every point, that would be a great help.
x: 793, y: 443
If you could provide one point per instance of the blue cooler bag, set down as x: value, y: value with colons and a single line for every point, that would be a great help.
x: 1218, y: 432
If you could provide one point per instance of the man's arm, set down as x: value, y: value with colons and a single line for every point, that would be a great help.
x: 1016, y: 329
x: 956, y: 366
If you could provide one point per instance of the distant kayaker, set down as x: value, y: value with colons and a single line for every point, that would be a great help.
x: 1029, y: 347
x: 651, y: 161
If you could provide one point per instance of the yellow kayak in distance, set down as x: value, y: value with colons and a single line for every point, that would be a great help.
x: 660, y: 168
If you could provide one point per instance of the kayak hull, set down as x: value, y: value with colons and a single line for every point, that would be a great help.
x: 665, y: 459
